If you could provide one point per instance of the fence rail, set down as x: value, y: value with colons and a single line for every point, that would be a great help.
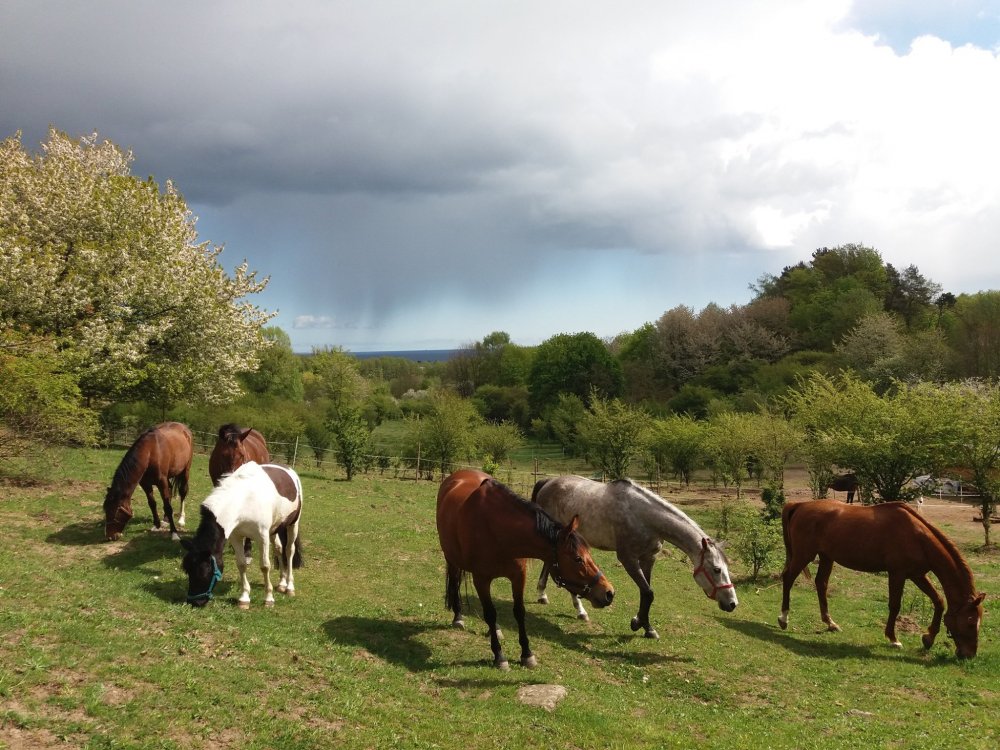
x: 302, y: 456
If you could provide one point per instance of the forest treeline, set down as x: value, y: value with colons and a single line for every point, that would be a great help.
x: 114, y: 313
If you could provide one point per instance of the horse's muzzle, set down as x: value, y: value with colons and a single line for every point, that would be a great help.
x: 727, y: 606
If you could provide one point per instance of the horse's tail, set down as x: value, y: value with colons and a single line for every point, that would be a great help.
x: 179, y: 484
x: 786, y: 519
x: 452, y: 587
x: 536, y: 489
x: 296, y: 553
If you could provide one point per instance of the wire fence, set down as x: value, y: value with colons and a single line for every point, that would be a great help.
x: 302, y: 456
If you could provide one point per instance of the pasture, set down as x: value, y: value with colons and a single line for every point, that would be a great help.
x: 100, y: 651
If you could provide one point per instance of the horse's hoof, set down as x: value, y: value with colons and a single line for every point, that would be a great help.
x: 503, y: 665
x: 635, y: 624
x: 652, y: 634
x: 896, y: 644
x: 289, y: 592
x: 269, y: 603
x: 282, y: 588
x: 530, y: 663
x: 543, y: 599
x: 175, y: 537
x: 927, y: 640
x: 459, y: 624
x: 783, y: 623
x: 243, y: 605
x: 583, y: 616
x: 833, y: 628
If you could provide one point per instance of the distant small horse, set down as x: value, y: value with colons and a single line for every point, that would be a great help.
x: 160, y: 457
x: 487, y: 530
x: 890, y: 537
x: 233, y: 448
x: 254, y: 502
x: 634, y: 522
x: 845, y: 483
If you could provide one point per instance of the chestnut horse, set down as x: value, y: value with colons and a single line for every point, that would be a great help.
x: 889, y: 537
x: 233, y: 448
x: 487, y: 530
x: 160, y: 457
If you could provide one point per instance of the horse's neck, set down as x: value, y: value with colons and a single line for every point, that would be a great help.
x: 226, y: 516
x: 523, y: 539
x: 953, y: 573
x: 675, y: 526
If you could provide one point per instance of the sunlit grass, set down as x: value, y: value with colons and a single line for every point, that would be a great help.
x: 99, y: 649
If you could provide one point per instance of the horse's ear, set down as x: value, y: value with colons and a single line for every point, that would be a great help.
x: 573, y: 525
x: 979, y: 599
x: 245, y: 434
x: 704, y: 542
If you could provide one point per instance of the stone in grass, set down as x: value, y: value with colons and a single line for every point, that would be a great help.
x: 544, y: 696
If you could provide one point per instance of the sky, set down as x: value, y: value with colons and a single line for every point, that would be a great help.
x: 418, y: 175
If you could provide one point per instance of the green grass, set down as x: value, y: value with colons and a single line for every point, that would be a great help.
x: 99, y: 651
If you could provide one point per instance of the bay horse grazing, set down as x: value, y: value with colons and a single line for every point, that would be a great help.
x: 634, y: 522
x: 845, y: 483
x: 233, y: 448
x: 254, y: 502
x: 890, y: 537
x: 160, y: 457
x: 487, y: 530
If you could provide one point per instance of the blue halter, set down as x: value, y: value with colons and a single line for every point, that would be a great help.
x: 216, y: 577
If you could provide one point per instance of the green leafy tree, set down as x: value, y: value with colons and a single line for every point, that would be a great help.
x: 335, y: 378
x: 731, y: 441
x: 564, y: 421
x: 677, y: 444
x: 110, y: 269
x: 352, y: 439
x: 886, y: 440
x: 756, y: 542
x: 973, y: 413
x: 446, y: 432
x: 613, y: 434
x: 279, y: 372
x: 498, y: 440
x: 578, y: 364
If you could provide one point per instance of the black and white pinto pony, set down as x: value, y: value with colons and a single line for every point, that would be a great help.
x: 259, y: 502
x: 634, y: 522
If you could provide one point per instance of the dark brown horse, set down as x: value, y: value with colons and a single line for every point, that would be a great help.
x: 845, y: 483
x: 487, y: 530
x: 233, y: 448
x: 890, y: 537
x: 160, y: 457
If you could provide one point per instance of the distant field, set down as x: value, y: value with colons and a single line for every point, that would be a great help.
x: 99, y: 650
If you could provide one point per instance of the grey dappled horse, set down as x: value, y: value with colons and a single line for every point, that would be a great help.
x: 634, y: 522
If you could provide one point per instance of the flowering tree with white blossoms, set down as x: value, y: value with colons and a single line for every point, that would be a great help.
x: 106, y: 270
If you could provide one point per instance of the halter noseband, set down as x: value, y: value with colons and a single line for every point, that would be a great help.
x: 216, y: 577
x: 702, y: 570
x: 563, y: 584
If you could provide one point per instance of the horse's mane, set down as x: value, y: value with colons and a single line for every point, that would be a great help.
x: 959, y: 559
x: 545, y: 524
x: 229, y: 430
x: 652, y: 497
x: 129, y: 464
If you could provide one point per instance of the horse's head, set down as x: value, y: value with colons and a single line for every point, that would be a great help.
x: 575, y: 570
x: 117, y: 513
x: 712, y: 574
x: 203, y: 569
x: 963, y: 626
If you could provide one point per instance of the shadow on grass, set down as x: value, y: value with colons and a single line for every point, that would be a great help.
x: 831, y: 649
x: 394, y: 641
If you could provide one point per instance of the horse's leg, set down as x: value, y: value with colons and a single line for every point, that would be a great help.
x: 265, y: 568
x: 823, y: 571
x: 148, y: 489
x: 453, y: 594
x: 168, y: 509
x: 896, y: 583
x: 242, y: 562
x: 924, y: 584
x: 279, y: 555
x: 183, y: 484
x: 517, y: 590
x: 482, y: 584
x: 543, y: 579
x: 635, y: 570
x: 793, y: 566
